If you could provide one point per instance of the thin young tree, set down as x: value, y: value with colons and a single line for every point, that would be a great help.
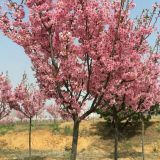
x: 53, y: 110
x: 29, y: 103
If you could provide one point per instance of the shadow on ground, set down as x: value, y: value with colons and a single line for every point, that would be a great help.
x: 106, y: 131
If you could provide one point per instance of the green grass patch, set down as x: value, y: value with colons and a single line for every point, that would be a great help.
x: 55, y: 127
x: 67, y: 131
x: 6, y: 128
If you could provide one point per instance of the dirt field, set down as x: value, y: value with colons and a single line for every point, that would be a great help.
x: 52, y: 142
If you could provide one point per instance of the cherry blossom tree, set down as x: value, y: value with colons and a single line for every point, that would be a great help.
x: 29, y: 103
x: 8, y: 120
x: 86, y: 53
x: 135, y: 84
x: 20, y: 116
x: 53, y: 111
x: 6, y: 96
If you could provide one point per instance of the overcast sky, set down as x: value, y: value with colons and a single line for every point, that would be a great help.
x: 13, y: 59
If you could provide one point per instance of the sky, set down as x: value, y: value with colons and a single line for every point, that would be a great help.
x: 14, y: 61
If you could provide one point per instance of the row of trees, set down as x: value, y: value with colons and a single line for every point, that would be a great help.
x: 88, y: 54
x: 28, y: 107
x: 23, y: 102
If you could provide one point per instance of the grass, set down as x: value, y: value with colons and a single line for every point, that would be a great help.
x: 67, y: 130
x: 127, y: 145
x: 23, y: 126
x: 103, y: 140
x: 6, y: 128
x: 55, y: 127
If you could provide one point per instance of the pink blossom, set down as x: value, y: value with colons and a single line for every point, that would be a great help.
x: 105, y: 64
x: 30, y: 101
x: 6, y: 96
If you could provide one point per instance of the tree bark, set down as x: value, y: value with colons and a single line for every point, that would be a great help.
x: 75, y: 139
x: 115, y: 134
x: 30, y: 130
x: 143, y: 157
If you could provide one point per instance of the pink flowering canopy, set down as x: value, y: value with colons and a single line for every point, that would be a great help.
x: 53, y: 111
x: 30, y: 101
x: 88, y: 51
x: 20, y: 115
x: 6, y: 96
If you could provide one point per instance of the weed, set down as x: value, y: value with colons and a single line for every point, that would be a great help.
x: 55, y: 128
x: 128, y: 146
x: 67, y: 155
x: 67, y: 131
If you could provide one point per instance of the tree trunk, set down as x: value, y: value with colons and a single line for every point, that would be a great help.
x: 116, y: 144
x: 115, y: 134
x: 143, y: 158
x: 75, y: 139
x: 30, y: 130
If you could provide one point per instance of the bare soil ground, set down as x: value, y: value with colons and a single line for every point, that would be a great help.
x: 96, y: 142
